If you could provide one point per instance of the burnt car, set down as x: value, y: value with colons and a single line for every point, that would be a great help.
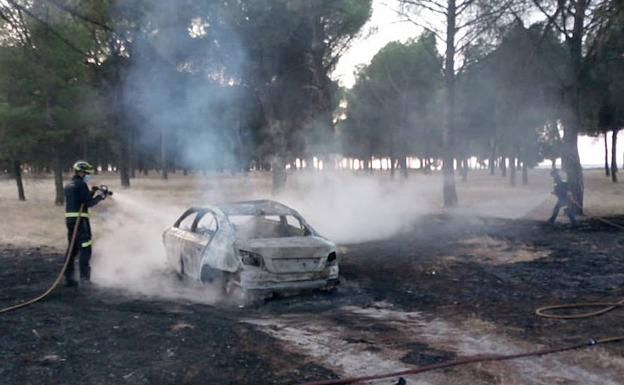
x: 257, y: 247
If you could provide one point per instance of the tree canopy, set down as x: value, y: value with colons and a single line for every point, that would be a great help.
x: 141, y: 85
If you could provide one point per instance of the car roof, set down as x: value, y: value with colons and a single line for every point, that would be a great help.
x: 256, y: 207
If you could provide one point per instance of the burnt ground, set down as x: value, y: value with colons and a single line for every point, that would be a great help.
x: 451, y: 268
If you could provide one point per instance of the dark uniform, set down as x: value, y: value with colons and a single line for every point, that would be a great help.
x: 76, y: 194
x: 563, y: 201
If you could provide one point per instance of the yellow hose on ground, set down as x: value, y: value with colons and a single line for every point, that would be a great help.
x: 58, y: 277
x: 546, y: 311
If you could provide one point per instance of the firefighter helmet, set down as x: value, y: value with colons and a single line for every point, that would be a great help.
x: 81, y: 165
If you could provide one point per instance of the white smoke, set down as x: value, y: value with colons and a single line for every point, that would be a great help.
x: 129, y: 253
x: 342, y: 206
x: 348, y: 208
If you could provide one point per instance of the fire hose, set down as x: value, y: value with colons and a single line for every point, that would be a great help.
x: 465, y: 361
x: 546, y: 311
x: 59, y: 277
x: 38, y: 298
x: 542, y: 312
x: 608, y: 306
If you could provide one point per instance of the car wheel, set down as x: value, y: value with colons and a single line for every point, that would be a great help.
x: 228, y: 287
x: 235, y: 294
x: 210, y: 275
x: 331, y: 286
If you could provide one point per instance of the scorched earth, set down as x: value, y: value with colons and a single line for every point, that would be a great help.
x: 446, y: 287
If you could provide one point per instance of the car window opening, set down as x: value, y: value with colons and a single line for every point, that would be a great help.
x: 185, y: 222
x: 206, y: 224
x: 268, y: 226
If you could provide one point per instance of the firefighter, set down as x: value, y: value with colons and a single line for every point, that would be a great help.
x: 563, y: 200
x: 77, y: 194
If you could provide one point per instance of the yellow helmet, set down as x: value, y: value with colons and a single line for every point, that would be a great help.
x: 81, y: 165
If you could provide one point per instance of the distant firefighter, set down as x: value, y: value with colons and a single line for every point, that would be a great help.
x: 563, y: 200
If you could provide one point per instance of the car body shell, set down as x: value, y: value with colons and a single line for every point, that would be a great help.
x: 215, y: 252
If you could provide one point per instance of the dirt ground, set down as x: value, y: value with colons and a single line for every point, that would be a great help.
x: 444, y: 285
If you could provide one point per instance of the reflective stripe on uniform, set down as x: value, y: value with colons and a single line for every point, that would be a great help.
x: 87, y: 243
x: 75, y: 215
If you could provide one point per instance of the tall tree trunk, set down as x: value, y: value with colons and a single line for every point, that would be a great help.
x: 371, y: 146
x: 279, y: 174
x: 133, y: 159
x: 492, y: 161
x: 572, y: 116
x: 58, y: 179
x: 503, y: 166
x: 512, y: 171
x: 614, y: 168
x: 17, y: 173
x: 449, y: 191
x: 142, y: 165
x: 56, y: 156
x: 525, y: 174
x: 164, y: 174
x: 123, y: 134
x: 124, y: 159
x: 96, y: 159
x: 403, y: 165
x: 572, y: 164
x: 56, y: 159
x: 464, y: 169
x: 606, y: 156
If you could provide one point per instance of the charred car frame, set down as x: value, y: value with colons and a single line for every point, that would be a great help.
x: 255, y: 247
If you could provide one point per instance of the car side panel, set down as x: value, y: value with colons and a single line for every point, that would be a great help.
x: 220, y: 253
x: 192, y: 247
x: 172, y: 239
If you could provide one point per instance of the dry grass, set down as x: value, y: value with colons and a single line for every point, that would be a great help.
x: 349, y: 199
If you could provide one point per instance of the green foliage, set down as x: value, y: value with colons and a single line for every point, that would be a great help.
x: 43, y: 83
x: 603, y: 89
x: 517, y: 95
x: 393, y: 106
x: 219, y: 84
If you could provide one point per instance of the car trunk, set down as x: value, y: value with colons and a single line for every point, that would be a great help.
x: 291, y: 254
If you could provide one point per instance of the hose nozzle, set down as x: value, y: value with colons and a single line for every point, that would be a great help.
x: 104, y: 188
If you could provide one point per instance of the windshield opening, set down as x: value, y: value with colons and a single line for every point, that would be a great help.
x: 268, y: 226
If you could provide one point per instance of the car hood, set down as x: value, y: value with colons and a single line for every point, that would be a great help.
x: 291, y: 254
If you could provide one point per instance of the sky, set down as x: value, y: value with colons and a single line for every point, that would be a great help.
x: 385, y: 26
